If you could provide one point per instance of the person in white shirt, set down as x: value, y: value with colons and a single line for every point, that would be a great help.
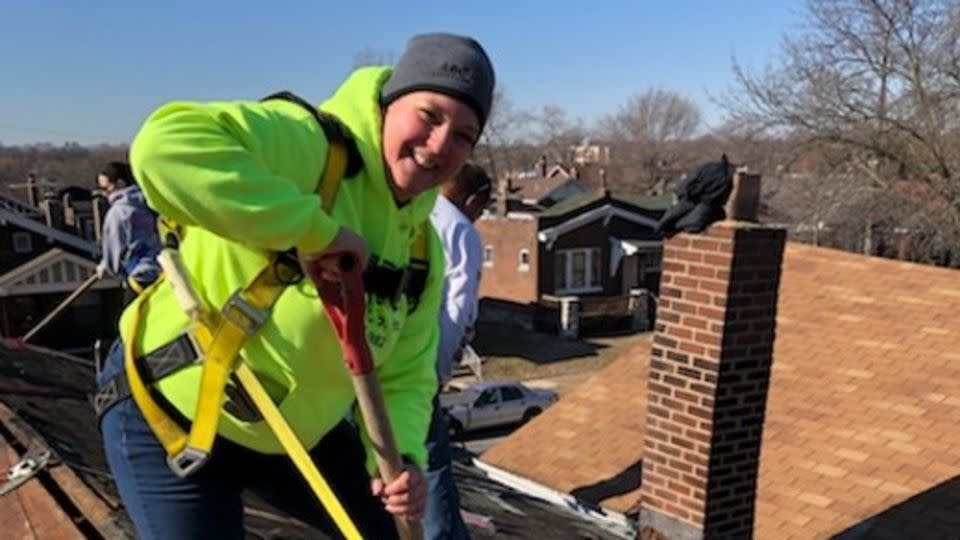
x: 459, y: 205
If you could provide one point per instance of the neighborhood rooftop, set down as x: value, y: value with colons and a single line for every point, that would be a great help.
x: 860, y: 438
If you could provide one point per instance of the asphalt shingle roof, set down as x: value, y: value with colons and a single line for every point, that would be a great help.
x: 861, y: 436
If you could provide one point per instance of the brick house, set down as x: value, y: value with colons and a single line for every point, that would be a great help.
x: 580, y: 258
x: 789, y: 391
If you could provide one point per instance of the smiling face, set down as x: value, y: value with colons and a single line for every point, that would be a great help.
x: 427, y: 138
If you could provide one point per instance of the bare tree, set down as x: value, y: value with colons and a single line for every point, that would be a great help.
x: 650, y: 128
x: 500, y: 145
x: 877, y: 81
x: 556, y: 133
x: 656, y: 115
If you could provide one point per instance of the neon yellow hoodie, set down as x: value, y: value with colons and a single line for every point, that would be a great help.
x: 247, y: 173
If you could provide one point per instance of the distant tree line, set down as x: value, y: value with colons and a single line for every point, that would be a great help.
x: 855, y: 128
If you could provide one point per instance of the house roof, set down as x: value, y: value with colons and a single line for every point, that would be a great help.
x: 860, y: 437
x: 49, y: 390
x: 19, y: 207
x: 537, y: 188
x: 55, y: 271
x: 606, y: 211
x: 646, y: 202
x: 18, y: 218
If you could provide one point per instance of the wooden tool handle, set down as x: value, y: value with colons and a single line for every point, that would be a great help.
x: 179, y: 279
x: 57, y: 310
x: 374, y: 411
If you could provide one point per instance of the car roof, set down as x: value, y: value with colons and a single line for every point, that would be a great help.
x: 480, y: 386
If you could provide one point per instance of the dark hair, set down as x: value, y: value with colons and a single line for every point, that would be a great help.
x: 119, y: 170
x: 474, y: 180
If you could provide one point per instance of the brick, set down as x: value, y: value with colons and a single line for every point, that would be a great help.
x: 703, y: 272
x: 658, y: 411
x: 694, y: 322
x: 682, y: 442
x: 711, y: 314
x: 692, y: 348
x: 708, y: 339
x: 706, y: 245
x: 666, y: 494
x: 678, y: 488
x: 679, y: 332
x: 713, y: 286
x: 718, y: 260
x: 700, y: 412
x: 679, y: 241
x: 705, y: 364
x: 689, y: 256
x: 663, y: 341
x: 675, y: 381
x: 672, y: 404
x: 699, y: 298
x: 660, y: 388
x: 670, y: 267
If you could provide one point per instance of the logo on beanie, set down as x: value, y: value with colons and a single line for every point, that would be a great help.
x: 449, y: 70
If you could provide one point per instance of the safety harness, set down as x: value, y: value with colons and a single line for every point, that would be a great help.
x: 214, y: 338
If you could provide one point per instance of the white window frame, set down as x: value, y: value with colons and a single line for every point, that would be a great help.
x: 488, y: 255
x: 523, y: 265
x: 566, y: 255
x: 22, y: 242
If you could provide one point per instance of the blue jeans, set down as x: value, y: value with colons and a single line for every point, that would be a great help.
x: 441, y: 519
x: 208, y: 504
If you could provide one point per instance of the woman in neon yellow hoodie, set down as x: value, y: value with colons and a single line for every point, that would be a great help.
x: 243, y: 178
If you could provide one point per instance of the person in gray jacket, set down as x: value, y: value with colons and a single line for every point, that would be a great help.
x: 129, y: 242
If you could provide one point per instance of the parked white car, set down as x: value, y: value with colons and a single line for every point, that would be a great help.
x: 488, y: 404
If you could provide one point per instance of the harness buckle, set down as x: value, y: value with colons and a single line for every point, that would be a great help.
x: 244, y: 315
x: 187, y: 461
x: 106, y: 396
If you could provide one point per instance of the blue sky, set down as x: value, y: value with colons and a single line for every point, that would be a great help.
x: 91, y: 71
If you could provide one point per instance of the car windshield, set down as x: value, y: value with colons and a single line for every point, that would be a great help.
x: 486, y: 398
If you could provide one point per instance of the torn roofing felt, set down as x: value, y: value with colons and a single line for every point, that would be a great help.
x: 50, y: 392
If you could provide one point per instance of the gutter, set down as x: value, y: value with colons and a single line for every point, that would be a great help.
x: 609, y: 520
x: 49, y: 232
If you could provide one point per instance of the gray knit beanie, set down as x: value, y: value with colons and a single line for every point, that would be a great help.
x: 453, y: 65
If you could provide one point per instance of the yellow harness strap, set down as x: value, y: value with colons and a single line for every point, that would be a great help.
x: 134, y: 285
x: 171, y: 436
x: 297, y: 452
x: 219, y: 338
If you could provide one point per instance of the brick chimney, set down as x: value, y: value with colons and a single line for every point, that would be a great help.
x: 503, y: 194
x: 33, y: 195
x: 69, y: 213
x: 709, y: 374
x: 53, y: 212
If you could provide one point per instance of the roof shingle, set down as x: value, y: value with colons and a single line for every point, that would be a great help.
x: 860, y: 431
